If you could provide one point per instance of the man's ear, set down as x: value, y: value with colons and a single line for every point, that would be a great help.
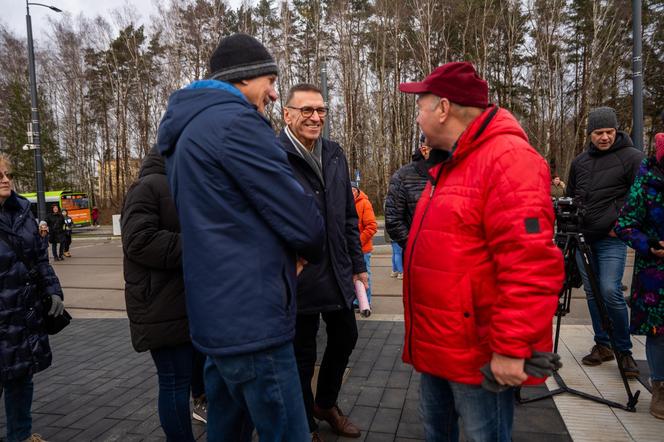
x: 443, y: 110
x: 287, y: 116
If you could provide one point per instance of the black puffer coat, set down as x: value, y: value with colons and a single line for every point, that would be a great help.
x: 405, y: 189
x: 154, y: 286
x: 56, y: 227
x: 328, y: 285
x: 24, y: 347
x: 599, y: 181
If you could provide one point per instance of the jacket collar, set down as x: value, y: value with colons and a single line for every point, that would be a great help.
x: 17, y: 204
x: 216, y: 84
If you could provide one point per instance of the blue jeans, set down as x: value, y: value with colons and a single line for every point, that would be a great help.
x: 18, y: 403
x: 174, y: 369
x: 608, y: 262
x: 655, y: 357
x: 367, y: 262
x: 397, y: 258
x: 260, y: 389
x: 486, y: 416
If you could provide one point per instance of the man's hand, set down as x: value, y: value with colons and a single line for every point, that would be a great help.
x: 364, y: 277
x: 299, y: 265
x: 658, y: 252
x: 508, y: 371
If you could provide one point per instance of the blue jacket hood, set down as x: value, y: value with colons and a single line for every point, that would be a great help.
x: 185, y: 104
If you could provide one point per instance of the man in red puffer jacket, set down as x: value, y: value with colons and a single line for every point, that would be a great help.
x: 482, y: 273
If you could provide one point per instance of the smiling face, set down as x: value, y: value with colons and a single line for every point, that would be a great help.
x: 5, y: 180
x: 306, y: 129
x: 259, y: 91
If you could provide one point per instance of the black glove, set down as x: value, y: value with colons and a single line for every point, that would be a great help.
x: 539, y: 365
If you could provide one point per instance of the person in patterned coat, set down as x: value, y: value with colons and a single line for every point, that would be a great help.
x: 641, y: 226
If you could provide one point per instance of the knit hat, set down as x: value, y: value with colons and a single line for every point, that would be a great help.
x: 659, y: 147
x: 240, y: 57
x: 458, y: 82
x: 602, y: 118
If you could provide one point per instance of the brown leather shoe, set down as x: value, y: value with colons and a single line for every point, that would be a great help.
x: 340, y: 424
x: 315, y: 437
x: 629, y: 366
x: 599, y: 353
x: 657, y: 402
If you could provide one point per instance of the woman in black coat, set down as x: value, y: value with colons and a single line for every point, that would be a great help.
x: 154, y: 293
x: 24, y: 346
x: 56, y: 227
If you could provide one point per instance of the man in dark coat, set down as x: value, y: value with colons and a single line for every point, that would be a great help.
x: 155, y: 298
x: 245, y: 221
x: 405, y: 189
x: 599, y: 180
x: 325, y: 288
x: 56, y: 235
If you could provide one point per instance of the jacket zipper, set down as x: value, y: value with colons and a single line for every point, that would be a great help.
x: 410, y: 261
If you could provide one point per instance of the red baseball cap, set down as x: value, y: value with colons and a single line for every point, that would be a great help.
x: 457, y: 81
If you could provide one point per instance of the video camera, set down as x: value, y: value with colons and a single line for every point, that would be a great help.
x: 569, y: 215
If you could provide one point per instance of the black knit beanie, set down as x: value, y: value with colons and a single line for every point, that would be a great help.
x: 240, y: 57
x: 602, y: 118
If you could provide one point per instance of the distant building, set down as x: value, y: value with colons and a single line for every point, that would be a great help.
x: 113, y: 183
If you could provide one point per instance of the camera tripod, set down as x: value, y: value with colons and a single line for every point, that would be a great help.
x: 571, y: 242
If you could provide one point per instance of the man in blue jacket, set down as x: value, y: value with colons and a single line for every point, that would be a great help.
x: 245, y: 221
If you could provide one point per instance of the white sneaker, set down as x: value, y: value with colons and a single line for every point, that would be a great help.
x: 394, y: 274
x: 200, y: 410
x: 400, y: 276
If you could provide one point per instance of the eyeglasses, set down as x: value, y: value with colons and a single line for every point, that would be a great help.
x: 9, y: 175
x: 307, y: 111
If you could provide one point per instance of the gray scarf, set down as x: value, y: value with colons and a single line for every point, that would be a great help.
x: 314, y: 157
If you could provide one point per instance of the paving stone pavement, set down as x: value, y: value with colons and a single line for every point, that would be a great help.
x: 100, y: 389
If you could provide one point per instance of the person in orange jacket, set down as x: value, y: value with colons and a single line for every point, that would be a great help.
x: 367, y: 225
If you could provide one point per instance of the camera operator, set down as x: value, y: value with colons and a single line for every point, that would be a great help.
x: 599, y: 180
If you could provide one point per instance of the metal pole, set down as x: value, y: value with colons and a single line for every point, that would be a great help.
x: 637, y: 76
x: 323, y: 87
x: 39, y: 165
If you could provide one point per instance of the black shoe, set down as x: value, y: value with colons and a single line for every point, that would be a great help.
x: 629, y: 366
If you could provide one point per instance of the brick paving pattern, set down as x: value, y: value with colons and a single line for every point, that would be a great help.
x: 100, y: 389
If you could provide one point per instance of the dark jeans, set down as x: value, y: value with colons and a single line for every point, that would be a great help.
x: 608, y: 263
x: 179, y: 368
x: 18, y: 403
x: 487, y: 417
x: 341, y: 330
x: 260, y: 389
x: 67, y: 241
x: 655, y: 356
x: 54, y: 249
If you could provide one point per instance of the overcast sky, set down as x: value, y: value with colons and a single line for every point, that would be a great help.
x: 13, y: 12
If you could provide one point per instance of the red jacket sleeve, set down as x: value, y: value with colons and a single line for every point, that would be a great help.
x: 529, y: 267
